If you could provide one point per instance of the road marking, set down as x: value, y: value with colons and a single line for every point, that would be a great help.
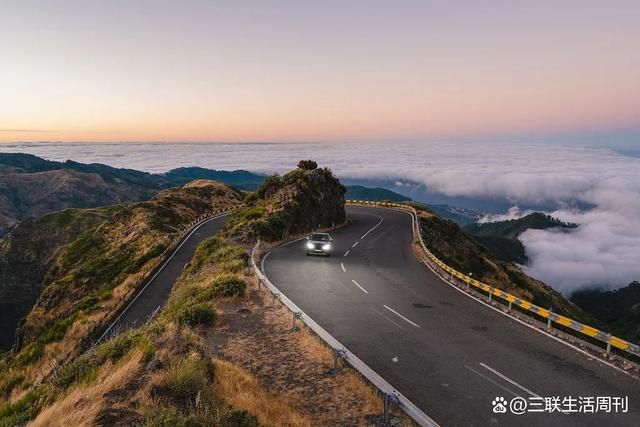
x: 401, y: 316
x: 344, y: 270
x: 346, y: 253
x: 509, y: 380
x: 385, y: 317
x: 497, y: 384
x: 532, y: 327
x: 361, y: 288
x: 373, y: 228
x: 355, y: 244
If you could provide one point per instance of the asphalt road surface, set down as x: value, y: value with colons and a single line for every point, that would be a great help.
x: 447, y: 353
x: 157, y: 291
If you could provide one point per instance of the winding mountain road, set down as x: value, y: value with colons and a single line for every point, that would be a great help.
x: 156, y: 291
x: 449, y: 354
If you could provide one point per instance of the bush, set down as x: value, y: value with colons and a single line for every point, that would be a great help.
x: 84, y: 366
x: 242, y: 418
x: 185, y: 378
x: 21, y: 411
x: 269, y: 186
x: 228, y: 285
x: 307, y: 165
x: 273, y: 229
x: 197, y: 314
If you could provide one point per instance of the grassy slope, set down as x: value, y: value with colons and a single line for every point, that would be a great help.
x: 94, y: 275
x: 179, y: 389
x: 26, y: 255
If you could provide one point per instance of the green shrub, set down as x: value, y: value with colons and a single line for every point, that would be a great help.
x: 10, y: 383
x: 241, y: 418
x: 228, y: 285
x: 270, y: 185
x: 187, y: 377
x: 307, y: 165
x: 23, y: 410
x: 273, y: 229
x: 84, y: 367
x: 197, y: 314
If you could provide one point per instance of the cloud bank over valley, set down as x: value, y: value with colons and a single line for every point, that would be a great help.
x: 603, y: 251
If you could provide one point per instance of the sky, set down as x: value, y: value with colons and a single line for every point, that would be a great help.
x: 334, y: 71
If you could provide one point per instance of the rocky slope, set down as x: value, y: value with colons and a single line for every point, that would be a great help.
x: 304, y: 199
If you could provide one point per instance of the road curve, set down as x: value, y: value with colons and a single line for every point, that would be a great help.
x: 449, y: 354
x: 157, y: 290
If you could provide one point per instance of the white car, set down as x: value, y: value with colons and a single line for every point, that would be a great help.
x: 319, y: 244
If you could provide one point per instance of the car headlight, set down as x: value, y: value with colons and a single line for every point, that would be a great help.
x: 326, y: 247
x: 309, y: 245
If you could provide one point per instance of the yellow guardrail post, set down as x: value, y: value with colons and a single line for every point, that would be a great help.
x: 455, y: 278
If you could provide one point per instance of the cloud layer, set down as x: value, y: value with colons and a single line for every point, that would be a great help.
x: 603, y: 251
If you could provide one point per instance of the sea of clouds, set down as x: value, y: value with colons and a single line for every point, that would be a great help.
x: 603, y: 251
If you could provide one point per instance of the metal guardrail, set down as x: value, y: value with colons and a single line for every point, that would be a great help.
x: 165, y: 257
x: 88, y: 343
x: 608, y: 339
x: 389, y: 393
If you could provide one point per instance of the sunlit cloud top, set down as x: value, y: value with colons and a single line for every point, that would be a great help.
x: 315, y: 71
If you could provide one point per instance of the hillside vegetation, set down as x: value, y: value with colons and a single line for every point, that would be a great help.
x: 501, y: 237
x: 460, y: 250
x: 90, y: 279
x: 164, y: 373
x: 302, y: 200
x: 618, y: 309
x: 28, y: 253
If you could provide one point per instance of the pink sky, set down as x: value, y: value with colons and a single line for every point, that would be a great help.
x: 330, y: 70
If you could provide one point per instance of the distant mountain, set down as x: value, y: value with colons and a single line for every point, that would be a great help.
x: 619, y: 309
x: 32, y: 187
x: 241, y: 179
x: 460, y: 216
x: 28, y: 163
x: 501, y: 237
x: 359, y: 192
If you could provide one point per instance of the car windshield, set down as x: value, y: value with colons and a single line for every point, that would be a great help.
x: 322, y: 237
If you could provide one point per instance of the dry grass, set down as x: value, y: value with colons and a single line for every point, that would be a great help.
x: 297, y: 367
x: 242, y: 391
x: 83, y: 403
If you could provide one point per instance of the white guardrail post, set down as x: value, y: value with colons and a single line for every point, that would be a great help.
x: 389, y: 394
